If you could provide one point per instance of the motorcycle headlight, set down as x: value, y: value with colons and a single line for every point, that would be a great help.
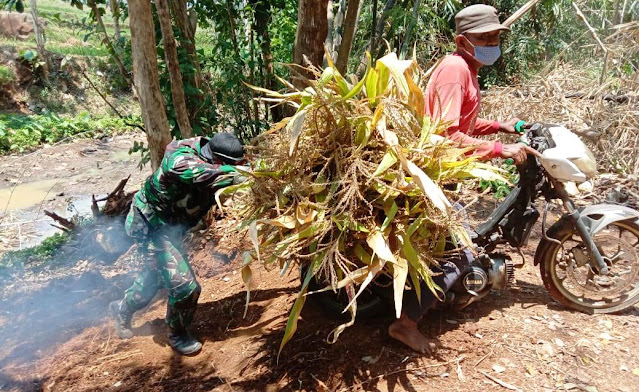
x: 586, y: 163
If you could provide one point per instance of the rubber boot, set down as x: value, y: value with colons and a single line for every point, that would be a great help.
x: 183, y: 342
x: 122, y: 316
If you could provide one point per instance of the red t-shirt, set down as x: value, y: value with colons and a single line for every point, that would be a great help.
x: 454, y: 85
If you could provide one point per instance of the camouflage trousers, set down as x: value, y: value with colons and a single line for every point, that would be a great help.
x: 165, y: 265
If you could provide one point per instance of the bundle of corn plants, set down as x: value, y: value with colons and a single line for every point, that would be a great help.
x: 350, y: 186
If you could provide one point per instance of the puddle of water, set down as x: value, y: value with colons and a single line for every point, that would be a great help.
x: 25, y: 195
x: 28, y: 231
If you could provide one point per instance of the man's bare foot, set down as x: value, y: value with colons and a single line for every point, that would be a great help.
x: 405, y: 330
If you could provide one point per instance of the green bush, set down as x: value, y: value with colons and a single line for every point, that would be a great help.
x: 6, y: 75
x: 23, y: 132
x: 501, y: 189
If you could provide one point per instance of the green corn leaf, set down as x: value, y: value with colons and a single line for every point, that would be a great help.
x: 327, y: 75
x: 291, y: 323
x: 362, y: 255
x: 342, y: 84
x: 383, y: 75
x: 355, y: 90
x: 397, y: 68
x: 371, y: 86
x: 390, y: 215
x: 416, y: 283
x: 387, y: 162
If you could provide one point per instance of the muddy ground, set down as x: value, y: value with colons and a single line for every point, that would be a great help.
x: 55, y: 334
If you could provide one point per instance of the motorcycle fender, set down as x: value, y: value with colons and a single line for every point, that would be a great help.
x: 598, y: 216
x: 595, y: 217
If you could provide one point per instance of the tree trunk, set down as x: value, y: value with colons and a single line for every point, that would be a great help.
x: 186, y: 27
x: 262, y: 20
x: 115, y: 11
x: 330, y: 17
x: 312, y: 28
x: 39, y: 37
x: 350, y: 26
x: 173, y: 64
x: 252, y: 69
x: 336, y: 31
x: 107, y: 41
x: 236, y: 48
x: 145, y: 74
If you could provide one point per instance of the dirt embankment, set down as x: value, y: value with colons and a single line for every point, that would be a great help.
x: 56, y: 336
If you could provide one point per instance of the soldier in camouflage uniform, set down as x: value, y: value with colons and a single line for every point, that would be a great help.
x: 173, y: 199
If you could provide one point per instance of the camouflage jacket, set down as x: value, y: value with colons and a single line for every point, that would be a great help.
x: 182, y: 190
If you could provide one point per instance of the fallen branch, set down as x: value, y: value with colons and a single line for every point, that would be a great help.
x: 67, y: 224
x: 119, y: 188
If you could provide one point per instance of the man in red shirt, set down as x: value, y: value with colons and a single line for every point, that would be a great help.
x: 453, y: 91
x: 453, y: 96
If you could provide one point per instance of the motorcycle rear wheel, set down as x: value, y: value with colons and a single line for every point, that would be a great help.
x: 569, y: 279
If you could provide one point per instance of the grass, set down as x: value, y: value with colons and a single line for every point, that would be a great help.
x: 20, y: 132
x: 85, y: 51
x: 6, y: 75
x: 35, y: 255
x: 67, y: 29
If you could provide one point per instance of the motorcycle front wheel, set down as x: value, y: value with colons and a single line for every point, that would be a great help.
x: 569, y: 278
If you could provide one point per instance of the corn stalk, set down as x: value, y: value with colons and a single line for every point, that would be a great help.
x: 350, y: 185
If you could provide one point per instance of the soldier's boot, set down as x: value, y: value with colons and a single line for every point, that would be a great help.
x: 122, y: 316
x: 183, y: 342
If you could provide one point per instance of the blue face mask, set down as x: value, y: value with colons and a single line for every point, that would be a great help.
x: 487, y: 55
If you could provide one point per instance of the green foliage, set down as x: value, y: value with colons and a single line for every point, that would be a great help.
x: 282, y: 32
x: 6, y: 75
x: 35, y: 255
x: 145, y: 153
x: 21, y: 132
x: 9, y: 5
x: 499, y: 188
x: 196, y: 101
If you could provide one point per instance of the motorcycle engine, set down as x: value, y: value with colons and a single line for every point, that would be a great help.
x: 474, y: 279
x: 501, y: 271
x: 494, y: 271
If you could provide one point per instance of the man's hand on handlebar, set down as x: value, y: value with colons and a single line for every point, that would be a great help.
x: 510, y: 126
x: 518, y: 152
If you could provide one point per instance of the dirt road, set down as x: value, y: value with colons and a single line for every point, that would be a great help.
x: 517, y: 339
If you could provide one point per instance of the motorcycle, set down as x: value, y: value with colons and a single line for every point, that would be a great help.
x: 588, y: 259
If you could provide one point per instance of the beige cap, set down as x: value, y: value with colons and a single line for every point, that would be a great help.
x: 478, y: 18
